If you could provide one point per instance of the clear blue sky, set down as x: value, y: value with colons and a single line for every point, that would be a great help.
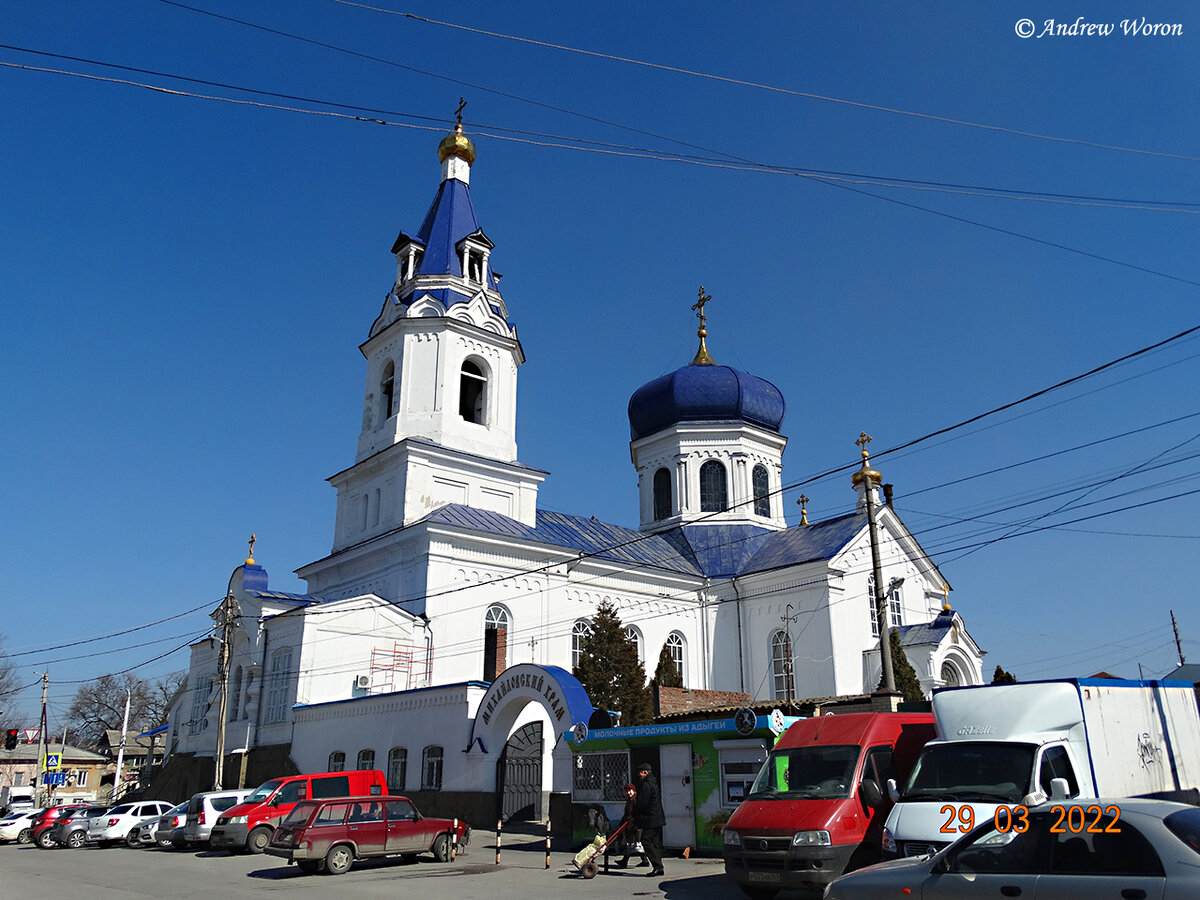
x: 185, y: 282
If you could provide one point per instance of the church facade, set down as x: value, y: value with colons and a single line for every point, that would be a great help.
x: 436, y: 639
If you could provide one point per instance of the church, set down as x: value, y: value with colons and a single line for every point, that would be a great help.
x: 436, y: 640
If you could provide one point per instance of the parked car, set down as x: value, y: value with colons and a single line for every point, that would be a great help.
x: 143, y: 833
x: 160, y: 834
x: 204, y: 809
x: 18, y: 826
x: 1069, y: 850
x: 71, y: 830
x: 43, y: 823
x: 120, y: 820
x: 249, y: 825
x: 329, y: 835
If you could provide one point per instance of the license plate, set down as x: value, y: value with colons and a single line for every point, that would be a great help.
x: 768, y: 877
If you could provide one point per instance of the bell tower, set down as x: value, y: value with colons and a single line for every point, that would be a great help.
x: 440, y: 404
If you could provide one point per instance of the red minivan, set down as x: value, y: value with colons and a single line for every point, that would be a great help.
x: 250, y: 824
x: 818, y: 805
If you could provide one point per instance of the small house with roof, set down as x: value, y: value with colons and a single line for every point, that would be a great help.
x: 436, y: 639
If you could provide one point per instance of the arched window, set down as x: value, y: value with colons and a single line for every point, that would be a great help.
x: 781, y: 669
x: 472, y: 392
x: 199, y: 720
x: 662, y: 495
x: 714, y: 495
x: 386, y: 384
x: 366, y: 759
x: 431, y: 769
x: 397, y: 769
x: 635, y: 637
x: 759, y: 485
x: 495, y: 642
x: 277, y: 686
x: 235, y: 695
x: 677, y: 648
x: 581, y: 629
x: 337, y: 761
x: 950, y: 675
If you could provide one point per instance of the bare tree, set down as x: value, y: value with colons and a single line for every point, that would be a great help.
x: 99, y: 706
x: 10, y: 684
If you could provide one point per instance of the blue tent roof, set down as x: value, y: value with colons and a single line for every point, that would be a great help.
x: 451, y: 218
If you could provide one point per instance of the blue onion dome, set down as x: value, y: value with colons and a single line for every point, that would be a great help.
x: 704, y: 392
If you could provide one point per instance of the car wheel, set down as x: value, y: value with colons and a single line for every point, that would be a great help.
x: 338, y: 860
x: 441, y: 848
x: 309, y: 866
x: 258, y: 840
x: 45, y: 839
x: 75, y: 840
x: 25, y: 836
x: 131, y: 840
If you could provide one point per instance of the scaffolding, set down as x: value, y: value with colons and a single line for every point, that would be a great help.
x: 401, y: 667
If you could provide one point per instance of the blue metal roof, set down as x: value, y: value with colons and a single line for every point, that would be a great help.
x: 927, y: 632
x: 713, y: 551
x: 805, y: 543
x: 451, y: 218
x: 288, y: 598
x: 704, y: 393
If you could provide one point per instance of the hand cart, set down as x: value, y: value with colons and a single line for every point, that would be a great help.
x: 585, y: 859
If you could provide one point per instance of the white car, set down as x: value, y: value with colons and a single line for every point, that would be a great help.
x: 119, y: 821
x: 16, y: 826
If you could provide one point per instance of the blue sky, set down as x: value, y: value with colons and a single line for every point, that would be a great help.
x: 185, y: 282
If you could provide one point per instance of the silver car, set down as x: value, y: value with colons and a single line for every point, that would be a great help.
x: 71, y: 830
x: 203, y: 810
x: 1070, y: 850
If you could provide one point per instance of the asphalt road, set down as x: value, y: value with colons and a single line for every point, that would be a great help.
x: 118, y: 872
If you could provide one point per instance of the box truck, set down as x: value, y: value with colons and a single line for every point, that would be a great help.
x: 817, y: 806
x: 1001, y: 747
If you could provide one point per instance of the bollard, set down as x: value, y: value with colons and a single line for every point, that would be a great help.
x: 547, y: 843
x: 454, y: 840
x: 499, y: 825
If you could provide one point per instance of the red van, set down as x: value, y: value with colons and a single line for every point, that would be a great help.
x: 250, y: 824
x: 818, y: 805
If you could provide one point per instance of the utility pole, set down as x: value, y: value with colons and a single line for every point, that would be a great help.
x: 788, y: 667
x: 121, y: 748
x: 868, y: 477
x: 226, y: 618
x: 1178, y: 644
x: 38, y: 790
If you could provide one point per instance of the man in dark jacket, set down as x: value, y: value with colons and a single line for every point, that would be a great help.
x: 648, y: 816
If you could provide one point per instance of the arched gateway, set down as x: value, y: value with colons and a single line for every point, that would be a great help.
x: 514, y: 735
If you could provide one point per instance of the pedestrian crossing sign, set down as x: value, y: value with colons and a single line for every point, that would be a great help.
x: 53, y: 761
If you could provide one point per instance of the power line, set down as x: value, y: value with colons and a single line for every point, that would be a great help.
x: 766, y: 87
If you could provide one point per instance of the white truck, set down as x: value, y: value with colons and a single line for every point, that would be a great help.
x: 16, y: 797
x: 1025, y: 744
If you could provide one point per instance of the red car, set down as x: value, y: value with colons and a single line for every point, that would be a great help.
x: 329, y: 835
x: 42, y: 824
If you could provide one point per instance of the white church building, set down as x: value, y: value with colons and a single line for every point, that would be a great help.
x: 437, y: 638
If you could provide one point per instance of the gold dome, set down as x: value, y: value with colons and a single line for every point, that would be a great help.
x: 857, y: 478
x: 457, y: 144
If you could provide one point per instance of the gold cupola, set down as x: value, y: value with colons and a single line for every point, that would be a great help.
x: 458, y: 145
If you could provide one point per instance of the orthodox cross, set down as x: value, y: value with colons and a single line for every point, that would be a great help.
x: 462, y: 102
x: 250, y: 559
x: 803, y: 501
x: 699, y: 306
x: 863, y: 440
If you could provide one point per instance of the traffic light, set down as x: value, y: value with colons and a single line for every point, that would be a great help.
x: 10, y: 739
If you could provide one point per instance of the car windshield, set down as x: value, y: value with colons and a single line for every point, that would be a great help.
x: 966, y: 770
x: 299, y: 815
x: 1185, y: 825
x: 816, y: 773
x: 264, y: 791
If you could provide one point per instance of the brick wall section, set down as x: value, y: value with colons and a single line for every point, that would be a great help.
x: 673, y: 701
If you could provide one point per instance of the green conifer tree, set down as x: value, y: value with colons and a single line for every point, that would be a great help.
x: 907, y: 682
x: 1002, y: 677
x: 610, y: 671
x: 665, y: 673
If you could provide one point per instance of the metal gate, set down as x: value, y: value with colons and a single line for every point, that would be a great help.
x: 519, y: 774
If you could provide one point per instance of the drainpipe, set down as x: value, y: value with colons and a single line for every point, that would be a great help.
x: 737, y: 599
x: 705, y: 652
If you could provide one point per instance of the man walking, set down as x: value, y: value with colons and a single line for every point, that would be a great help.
x: 648, y: 816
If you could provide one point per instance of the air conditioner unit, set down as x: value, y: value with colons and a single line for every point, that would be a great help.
x: 362, y: 682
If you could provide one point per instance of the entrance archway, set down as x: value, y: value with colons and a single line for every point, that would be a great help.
x: 519, y: 775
